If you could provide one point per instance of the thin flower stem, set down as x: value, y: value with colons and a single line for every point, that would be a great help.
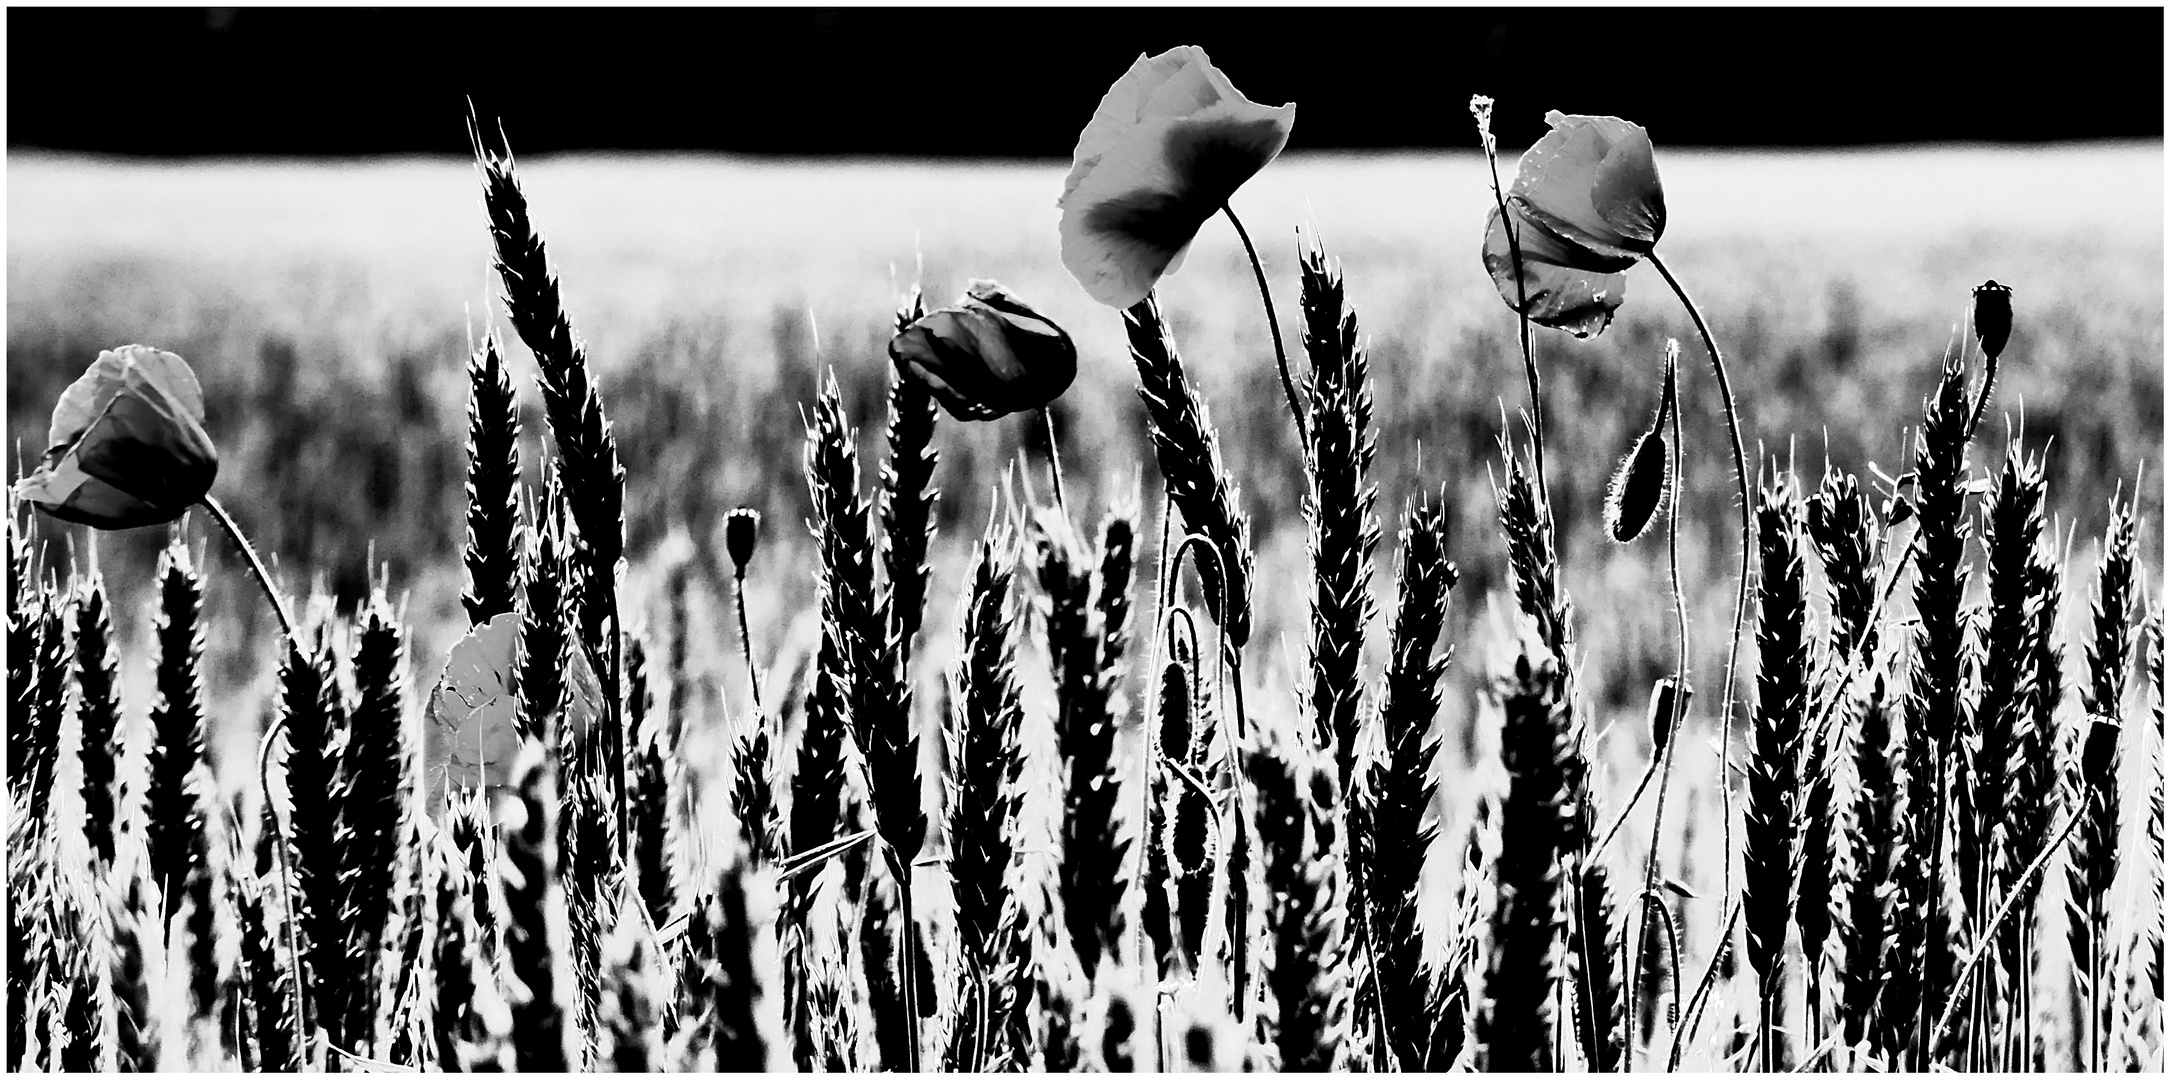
x: 256, y: 565
x: 746, y: 639
x: 1055, y: 459
x: 1988, y: 939
x: 1273, y: 328
x: 1522, y: 318
x: 263, y: 755
x: 1664, y: 761
x: 1741, y: 594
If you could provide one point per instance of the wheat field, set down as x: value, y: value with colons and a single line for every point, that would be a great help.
x: 1149, y: 901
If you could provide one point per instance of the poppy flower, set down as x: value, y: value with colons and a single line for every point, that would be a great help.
x: 472, y: 737
x: 1586, y: 205
x: 989, y: 356
x: 1170, y: 142
x: 127, y: 446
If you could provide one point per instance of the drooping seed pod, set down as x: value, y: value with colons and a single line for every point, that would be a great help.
x: 1639, y: 483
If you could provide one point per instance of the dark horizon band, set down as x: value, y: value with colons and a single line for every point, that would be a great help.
x: 1018, y: 82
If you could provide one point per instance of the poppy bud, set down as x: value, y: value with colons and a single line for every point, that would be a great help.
x: 989, y: 356
x: 1640, y: 483
x: 740, y: 528
x: 1993, y: 317
x: 1667, y: 697
x: 2099, y: 755
x: 127, y: 446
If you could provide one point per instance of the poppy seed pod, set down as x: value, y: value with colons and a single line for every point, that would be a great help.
x: 1585, y: 206
x: 1170, y: 142
x: 989, y: 356
x: 127, y: 446
x: 1993, y: 317
x: 741, y: 527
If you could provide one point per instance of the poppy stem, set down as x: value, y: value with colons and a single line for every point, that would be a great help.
x: 1741, y: 594
x: 1055, y: 460
x: 1273, y: 328
x: 746, y: 640
x: 263, y: 753
x: 1522, y: 305
x: 256, y: 565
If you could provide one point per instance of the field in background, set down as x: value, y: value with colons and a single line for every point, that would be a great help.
x: 328, y: 309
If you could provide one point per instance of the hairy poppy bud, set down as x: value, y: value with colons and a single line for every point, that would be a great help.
x: 1639, y: 484
x: 1667, y: 697
x: 741, y: 526
x: 127, y: 446
x: 989, y: 356
x: 1993, y: 317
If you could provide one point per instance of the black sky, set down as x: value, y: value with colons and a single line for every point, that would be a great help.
x: 1020, y: 82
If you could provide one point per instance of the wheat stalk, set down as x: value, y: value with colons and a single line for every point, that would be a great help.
x: 1300, y: 872
x: 1401, y: 788
x: 98, y: 714
x: 595, y: 478
x: 1515, y: 1024
x: 137, y: 1040
x: 1338, y: 507
x: 55, y: 657
x: 1188, y: 452
x: 371, y: 814
x: 1775, y: 795
x: 528, y: 872
x: 492, y: 557
x: 2094, y: 782
x: 174, y: 823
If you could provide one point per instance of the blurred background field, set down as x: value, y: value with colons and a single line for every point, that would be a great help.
x: 329, y: 307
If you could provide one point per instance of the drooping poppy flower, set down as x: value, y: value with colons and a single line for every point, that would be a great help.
x: 1586, y: 205
x: 127, y: 446
x: 1170, y: 142
x: 991, y: 355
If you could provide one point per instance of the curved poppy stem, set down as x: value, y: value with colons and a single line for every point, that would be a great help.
x: 1273, y: 328
x: 1741, y: 593
x: 263, y: 755
x: 1055, y: 460
x: 256, y: 565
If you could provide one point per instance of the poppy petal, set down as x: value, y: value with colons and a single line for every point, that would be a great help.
x: 1626, y: 192
x: 1127, y: 219
x: 1171, y: 141
x: 1579, y: 301
x: 1215, y: 150
x: 1557, y: 177
x: 1122, y: 108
